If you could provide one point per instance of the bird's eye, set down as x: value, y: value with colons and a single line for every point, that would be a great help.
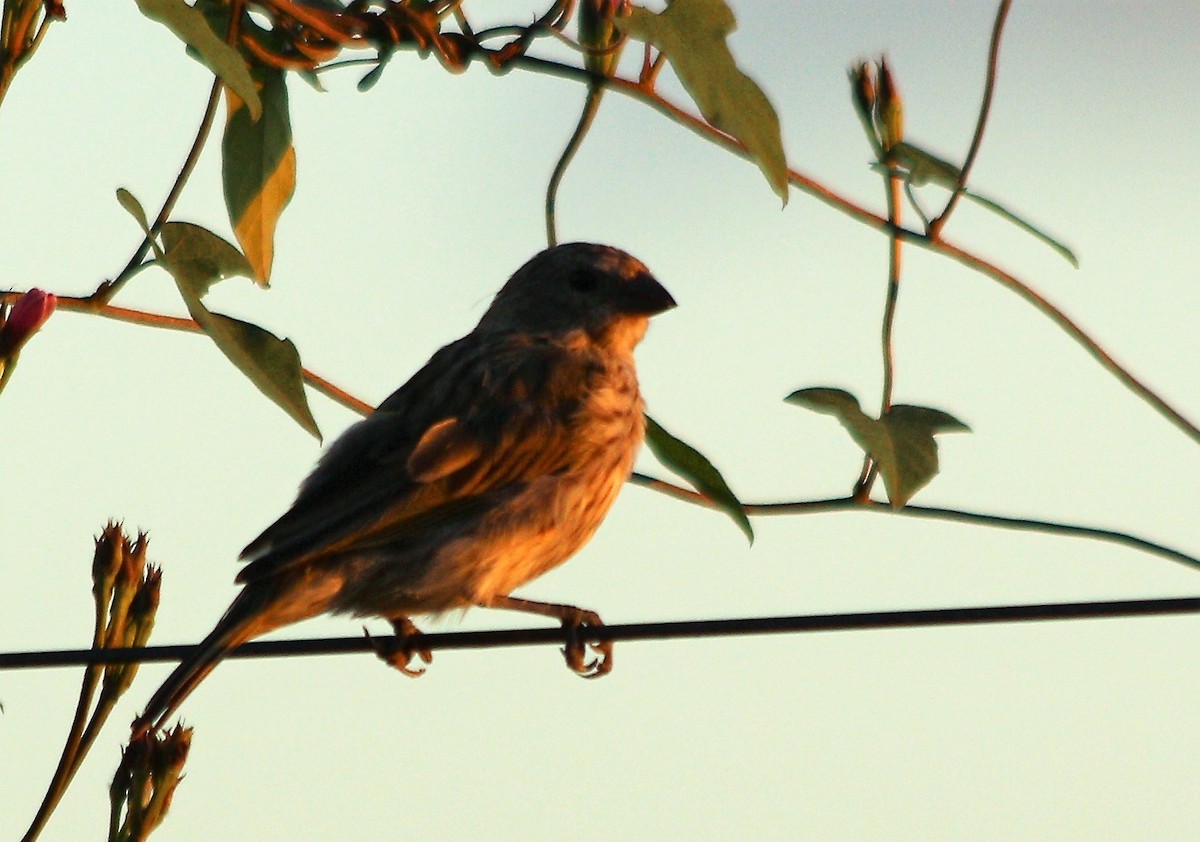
x: 584, y: 282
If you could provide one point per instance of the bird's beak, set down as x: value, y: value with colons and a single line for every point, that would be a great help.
x: 642, y: 295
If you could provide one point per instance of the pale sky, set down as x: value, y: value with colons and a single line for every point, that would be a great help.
x: 415, y: 202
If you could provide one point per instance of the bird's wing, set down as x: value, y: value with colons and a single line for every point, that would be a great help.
x: 482, y: 418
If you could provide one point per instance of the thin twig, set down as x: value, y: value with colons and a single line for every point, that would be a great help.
x: 850, y: 504
x: 893, y: 186
x: 1123, y: 375
x: 360, y: 406
x: 985, y: 107
x: 942, y: 246
x: 337, y: 394
x: 16, y: 45
x: 142, y: 317
x: 685, y: 629
x: 105, y: 292
x: 591, y: 107
x: 76, y: 743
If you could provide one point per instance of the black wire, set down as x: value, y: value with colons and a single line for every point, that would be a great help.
x: 634, y: 631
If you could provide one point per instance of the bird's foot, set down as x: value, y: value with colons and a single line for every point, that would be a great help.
x: 575, y: 621
x: 399, y: 651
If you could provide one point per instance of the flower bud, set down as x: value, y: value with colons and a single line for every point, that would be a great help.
x: 889, y: 109
x: 597, y: 35
x: 862, y: 90
x: 138, y: 625
x: 27, y: 315
x: 170, y: 755
x: 107, y: 561
x: 134, y: 561
x: 144, y: 607
x: 132, y: 788
x: 116, y: 579
x: 145, y: 601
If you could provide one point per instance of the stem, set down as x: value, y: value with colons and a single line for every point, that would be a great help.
x: 336, y: 393
x: 893, y: 184
x: 1061, y: 319
x: 7, y: 367
x: 74, y: 748
x: 893, y: 293
x: 16, y: 47
x: 985, y: 107
x: 850, y: 504
x: 939, y: 245
x: 67, y: 763
x: 105, y: 292
x: 140, y: 317
x: 591, y: 107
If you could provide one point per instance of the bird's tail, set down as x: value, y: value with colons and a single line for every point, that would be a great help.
x: 245, y: 619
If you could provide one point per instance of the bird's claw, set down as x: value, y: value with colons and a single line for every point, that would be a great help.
x: 575, y: 652
x: 399, y: 650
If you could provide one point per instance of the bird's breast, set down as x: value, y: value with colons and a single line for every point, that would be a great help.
x: 556, y: 514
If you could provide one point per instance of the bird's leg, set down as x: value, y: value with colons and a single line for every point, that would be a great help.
x: 399, y: 651
x: 573, y: 620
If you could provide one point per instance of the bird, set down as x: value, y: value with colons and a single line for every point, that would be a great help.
x: 490, y: 466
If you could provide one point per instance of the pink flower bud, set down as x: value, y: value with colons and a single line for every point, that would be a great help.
x: 27, y: 315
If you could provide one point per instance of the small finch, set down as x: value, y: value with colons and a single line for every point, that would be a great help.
x: 493, y: 464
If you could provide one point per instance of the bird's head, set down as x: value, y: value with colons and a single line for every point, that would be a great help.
x: 580, y: 286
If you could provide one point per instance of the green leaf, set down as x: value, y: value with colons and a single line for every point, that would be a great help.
x: 693, y: 466
x: 1026, y: 226
x: 272, y: 364
x: 258, y: 168
x: 691, y: 34
x: 131, y: 204
x: 901, y: 443
x: 923, y: 168
x: 368, y: 81
x: 190, y: 25
x: 200, y: 258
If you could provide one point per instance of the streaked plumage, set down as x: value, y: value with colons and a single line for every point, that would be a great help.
x: 493, y: 464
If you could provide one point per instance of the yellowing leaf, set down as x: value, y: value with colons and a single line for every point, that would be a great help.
x: 190, y: 26
x: 691, y: 33
x: 258, y: 168
x: 901, y: 442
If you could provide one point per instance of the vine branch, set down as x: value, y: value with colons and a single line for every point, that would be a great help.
x: 107, y: 289
x: 937, y: 245
x: 985, y: 107
x: 186, y: 325
x: 851, y: 504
